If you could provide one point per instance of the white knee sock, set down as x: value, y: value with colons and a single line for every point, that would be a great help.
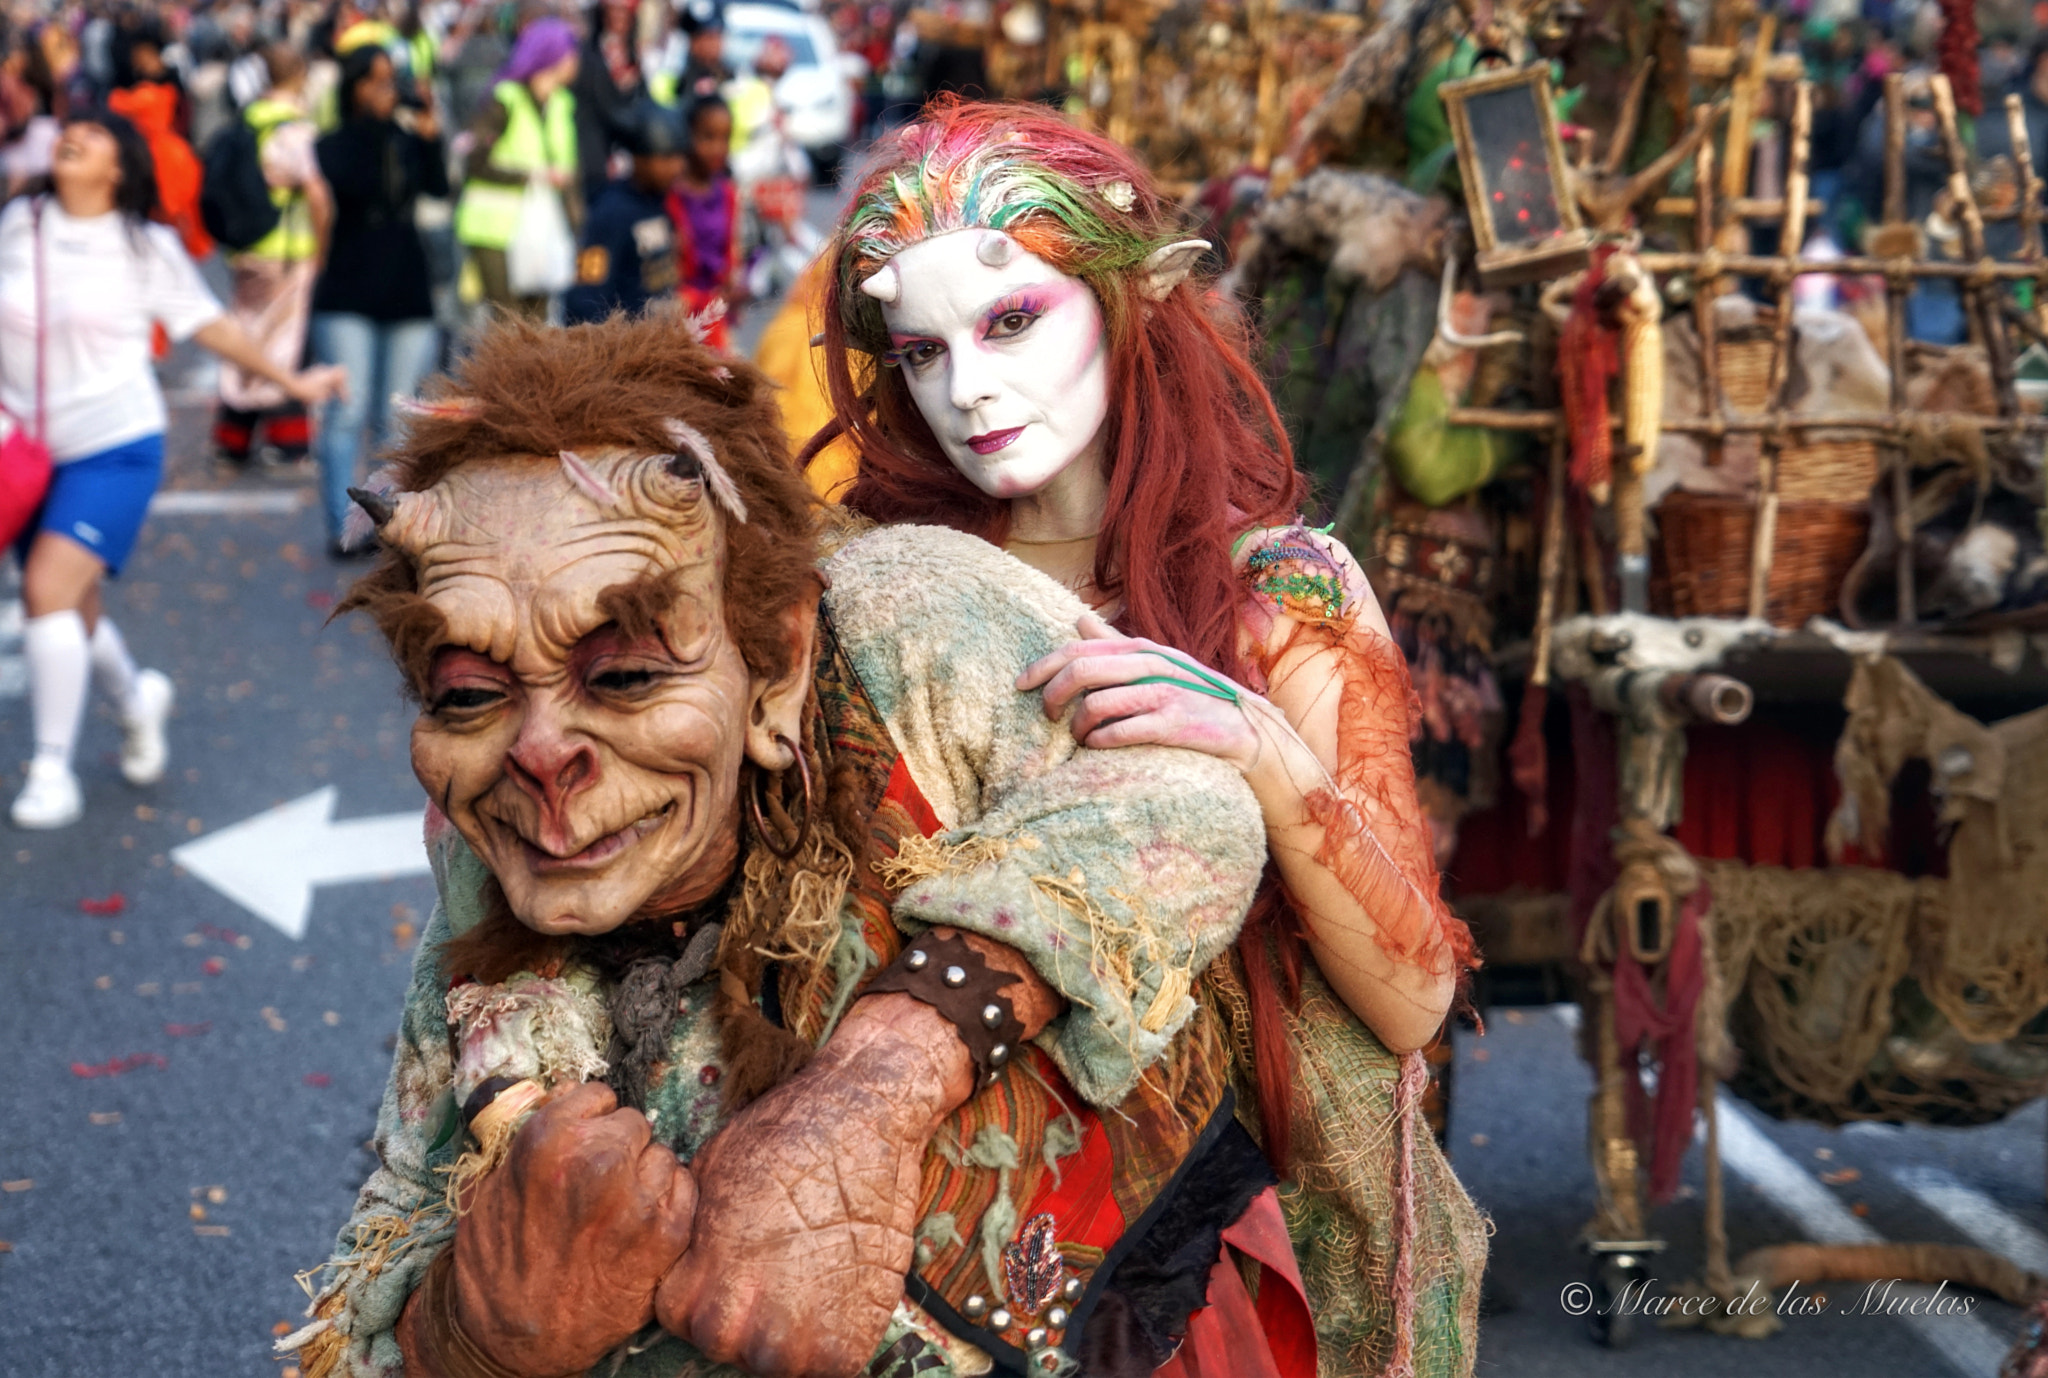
x: 112, y: 666
x: 59, y: 672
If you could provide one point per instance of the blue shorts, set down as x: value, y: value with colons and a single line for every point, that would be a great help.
x: 100, y: 501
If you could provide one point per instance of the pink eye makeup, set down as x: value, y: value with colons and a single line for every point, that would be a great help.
x: 1030, y: 302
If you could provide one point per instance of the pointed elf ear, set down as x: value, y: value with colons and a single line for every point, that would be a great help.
x: 1167, y: 268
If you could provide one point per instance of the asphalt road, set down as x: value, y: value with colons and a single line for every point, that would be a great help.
x: 185, y: 1090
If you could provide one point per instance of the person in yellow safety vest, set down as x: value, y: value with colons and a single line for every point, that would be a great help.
x: 273, y: 278
x: 529, y: 130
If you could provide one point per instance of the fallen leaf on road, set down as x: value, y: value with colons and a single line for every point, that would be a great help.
x: 193, y: 826
x: 188, y: 1030
x: 303, y: 962
x: 283, y: 1328
x: 18, y: 1184
x: 1837, y: 1178
x: 320, y: 600
x: 116, y: 936
x: 213, y: 966
x: 106, y: 908
x: 145, y: 813
x: 114, y: 1067
x: 150, y: 988
x: 402, y: 910
x: 102, y: 983
x: 1480, y: 1141
x: 1516, y: 1017
x: 216, y: 1194
x: 1480, y: 1055
x: 5, y: 1247
x: 211, y: 1231
x: 402, y: 934
x: 273, y: 1019
x: 1824, y: 1154
x: 319, y: 1079
x: 104, y: 1116
x: 196, y: 1211
x: 330, y: 1018
x: 1860, y: 1208
x: 219, y: 934
x: 192, y: 939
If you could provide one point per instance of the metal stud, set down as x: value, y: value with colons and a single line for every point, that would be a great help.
x: 999, y: 1319
x: 955, y: 977
x: 998, y: 1055
x: 1036, y: 1337
x: 1057, y: 1318
x: 975, y: 1307
x: 991, y: 1015
x: 1074, y: 1289
x: 918, y: 959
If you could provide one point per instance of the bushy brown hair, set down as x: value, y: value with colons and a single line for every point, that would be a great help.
x: 527, y: 390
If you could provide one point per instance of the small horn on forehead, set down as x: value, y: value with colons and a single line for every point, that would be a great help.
x: 586, y: 479
x: 884, y: 284
x: 995, y: 248
x: 690, y: 441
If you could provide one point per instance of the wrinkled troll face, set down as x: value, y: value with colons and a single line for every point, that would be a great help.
x: 596, y: 774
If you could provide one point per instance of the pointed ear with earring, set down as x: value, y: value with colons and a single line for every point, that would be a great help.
x: 786, y: 835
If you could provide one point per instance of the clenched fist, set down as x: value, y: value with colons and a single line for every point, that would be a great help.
x: 558, y: 1257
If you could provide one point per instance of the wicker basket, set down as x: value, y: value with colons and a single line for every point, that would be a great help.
x: 1704, y: 556
x: 1823, y: 471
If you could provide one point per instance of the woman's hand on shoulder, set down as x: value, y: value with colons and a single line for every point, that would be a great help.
x: 1136, y: 692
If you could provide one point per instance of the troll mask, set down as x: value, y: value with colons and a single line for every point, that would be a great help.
x: 587, y: 712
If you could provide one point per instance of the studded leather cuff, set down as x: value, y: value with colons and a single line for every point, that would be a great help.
x: 954, y: 979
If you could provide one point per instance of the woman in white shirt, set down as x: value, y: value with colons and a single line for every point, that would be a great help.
x: 84, y: 275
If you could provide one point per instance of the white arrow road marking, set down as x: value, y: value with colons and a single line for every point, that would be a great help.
x: 1974, y: 1214
x: 269, y: 864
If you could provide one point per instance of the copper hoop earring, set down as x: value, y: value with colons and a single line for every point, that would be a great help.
x: 803, y: 826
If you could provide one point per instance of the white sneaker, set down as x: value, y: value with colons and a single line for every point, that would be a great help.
x: 51, y: 799
x: 144, y: 753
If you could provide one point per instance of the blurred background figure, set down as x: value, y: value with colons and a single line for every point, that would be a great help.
x: 373, y: 309
x: 609, y: 83
x: 704, y: 73
x: 704, y: 203
x: 629, y: 261
x: 524, y: 135
x: 85, y: 280
x: 272, y: 292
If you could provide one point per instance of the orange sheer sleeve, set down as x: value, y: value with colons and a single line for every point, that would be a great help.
x: 1312, y: 630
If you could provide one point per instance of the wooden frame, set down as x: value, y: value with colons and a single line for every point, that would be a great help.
x: 1503, y: 261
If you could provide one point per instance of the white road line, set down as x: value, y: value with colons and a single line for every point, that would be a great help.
x: 13, y: 664
x: 1969, y: 1346
x: 1976, y: 1215
x: 210, y: 503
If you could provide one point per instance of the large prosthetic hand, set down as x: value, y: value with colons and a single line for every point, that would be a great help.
x: 808, y: 1199
x: 558, y: 1254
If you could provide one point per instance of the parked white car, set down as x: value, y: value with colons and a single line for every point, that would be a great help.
x: 815, y: 95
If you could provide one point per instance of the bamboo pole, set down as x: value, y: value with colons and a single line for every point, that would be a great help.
x: 1895, y: 348
x: 1550, y: 563
x: 1706, y: 291
x: 1763, y: 208
x: 1880, y: 423
x: 1764, y: 265
x: 1748, y: 84
x: 2030, y: 193
x: 1982, y: 298
x: 1764, y: 535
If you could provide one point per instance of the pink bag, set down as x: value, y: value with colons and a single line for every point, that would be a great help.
x: 24, y: 456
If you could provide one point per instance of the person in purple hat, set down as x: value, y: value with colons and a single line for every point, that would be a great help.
x: 525, y: 133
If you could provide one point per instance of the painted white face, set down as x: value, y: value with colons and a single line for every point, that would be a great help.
x: 1007, y: 361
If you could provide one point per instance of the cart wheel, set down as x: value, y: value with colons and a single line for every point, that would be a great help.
x: 1608, y: 1325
